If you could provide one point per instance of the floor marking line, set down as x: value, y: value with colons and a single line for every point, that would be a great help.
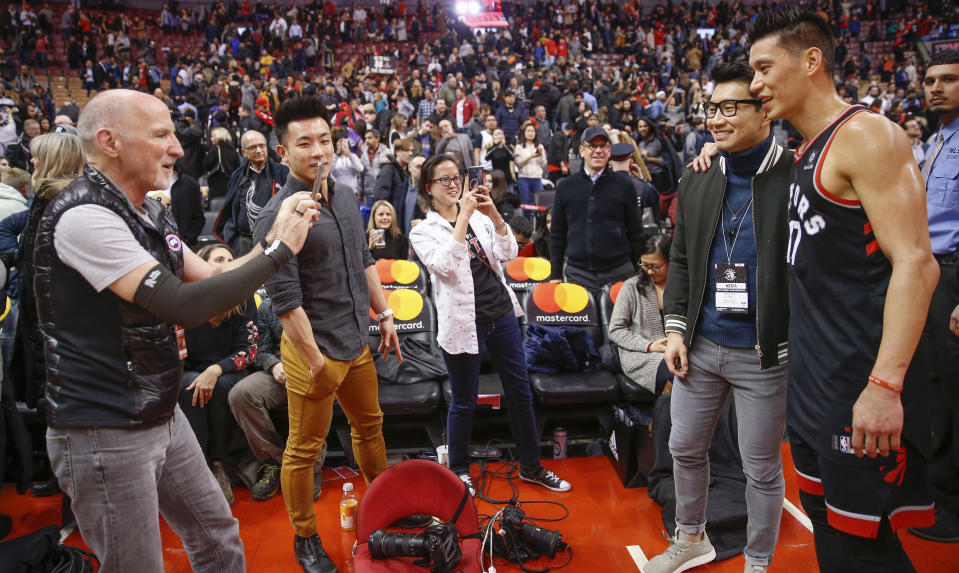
x: 636, y: 552
x: 797, y: 513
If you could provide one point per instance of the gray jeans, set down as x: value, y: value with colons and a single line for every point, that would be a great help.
x: 251, y: 401
x: 120, y: 479
x: 760, y: 399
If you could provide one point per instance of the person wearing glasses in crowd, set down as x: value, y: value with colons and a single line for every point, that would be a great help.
x: 726, y: 323
x: 597, y: 229
x: 463, y: 242
x: 251, y: 186
x: 636, y: 324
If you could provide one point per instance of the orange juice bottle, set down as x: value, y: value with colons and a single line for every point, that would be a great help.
x: 348, y: 505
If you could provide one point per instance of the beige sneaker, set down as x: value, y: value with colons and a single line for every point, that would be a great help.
x: 682, y: 555
x: 754, y: 568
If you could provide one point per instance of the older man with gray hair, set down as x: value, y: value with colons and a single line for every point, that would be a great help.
x: 112, y: 280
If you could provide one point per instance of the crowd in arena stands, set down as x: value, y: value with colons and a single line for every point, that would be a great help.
x: 557, y: 64
x: 533, y: 104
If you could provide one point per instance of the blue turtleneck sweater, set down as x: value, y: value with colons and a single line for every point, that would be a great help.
x: 729, y: 329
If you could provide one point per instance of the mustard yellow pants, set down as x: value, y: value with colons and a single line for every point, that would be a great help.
x: 354, y: 384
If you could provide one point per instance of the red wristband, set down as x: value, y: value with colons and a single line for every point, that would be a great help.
x: 884, y: 384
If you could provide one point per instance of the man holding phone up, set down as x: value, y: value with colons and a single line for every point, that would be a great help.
x: 322, y: 298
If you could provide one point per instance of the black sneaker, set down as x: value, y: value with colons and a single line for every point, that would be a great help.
x: 269, y: 483
x: 311, y: 556
x: 468, y: 480
x: 945, y: 530
x: 545, y: 478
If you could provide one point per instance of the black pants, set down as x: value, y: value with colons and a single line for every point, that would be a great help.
x: 942, y: 347
x: 594, y: 281
x: 214, y: 423
x: 839, y: 552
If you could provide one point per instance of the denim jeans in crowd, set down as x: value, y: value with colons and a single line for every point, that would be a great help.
x: 505, y: 343
x: 526, y: 186
x: 760, y: 398
x: 120, y: 481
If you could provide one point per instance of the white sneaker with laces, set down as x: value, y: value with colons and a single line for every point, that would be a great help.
x: 682, y: 555
x: 545, y: 478
x: 468, y: 480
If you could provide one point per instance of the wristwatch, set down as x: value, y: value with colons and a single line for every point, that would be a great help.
x: 385, y: 314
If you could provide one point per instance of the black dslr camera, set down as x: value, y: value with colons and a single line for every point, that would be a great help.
x: 438, y: 545
x: 523, y: 540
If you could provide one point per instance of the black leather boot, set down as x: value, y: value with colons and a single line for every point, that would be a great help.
x: 311, y: 556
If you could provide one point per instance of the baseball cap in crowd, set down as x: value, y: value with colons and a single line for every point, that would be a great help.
x: 262, y: 101
x: 66, y: 129
x: 621, y: 151
x: 594, y: 131
x: 660, y: 94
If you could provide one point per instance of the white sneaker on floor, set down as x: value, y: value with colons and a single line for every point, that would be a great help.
x: 468, y: 480
x: 754, y: 568
x: 682, y: 555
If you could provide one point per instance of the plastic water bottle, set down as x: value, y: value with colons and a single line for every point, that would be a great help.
x: 348, y: 505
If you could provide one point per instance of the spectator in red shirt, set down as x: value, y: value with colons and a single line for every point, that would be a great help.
x: 463, y: 108
x: 40, y: 49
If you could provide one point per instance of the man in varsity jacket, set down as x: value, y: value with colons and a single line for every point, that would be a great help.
x: 726, y: 317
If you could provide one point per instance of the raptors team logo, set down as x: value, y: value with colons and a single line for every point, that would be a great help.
x: 730, y: 275
x: 174, y: 243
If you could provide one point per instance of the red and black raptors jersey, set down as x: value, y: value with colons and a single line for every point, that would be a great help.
x: 838, y: 278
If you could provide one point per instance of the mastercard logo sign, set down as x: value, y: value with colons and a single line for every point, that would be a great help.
x: 406, y: 303
x: 614, y: 291
x: 528, y: 269
x: 556, y: 297
x: 397, y: 271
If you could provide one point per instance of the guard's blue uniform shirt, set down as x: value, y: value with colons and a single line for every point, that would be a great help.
x: 942, y: 192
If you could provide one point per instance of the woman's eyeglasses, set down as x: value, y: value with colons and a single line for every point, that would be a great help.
x: 449, y: 181
x: 652, y: 268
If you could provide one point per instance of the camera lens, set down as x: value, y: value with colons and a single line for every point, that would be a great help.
x: 384, y: 545
x: 541, y: 540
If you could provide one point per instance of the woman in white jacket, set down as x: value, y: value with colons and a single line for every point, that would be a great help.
x: 530, y: 162
x: 347, y: 167
x: 463, y: 242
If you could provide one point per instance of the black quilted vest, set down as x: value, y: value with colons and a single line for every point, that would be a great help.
x: 110, y: 363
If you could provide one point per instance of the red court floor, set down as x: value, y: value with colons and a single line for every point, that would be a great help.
x: 610, y: 528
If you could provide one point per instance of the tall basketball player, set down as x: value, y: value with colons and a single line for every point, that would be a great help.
x: 861, y: 277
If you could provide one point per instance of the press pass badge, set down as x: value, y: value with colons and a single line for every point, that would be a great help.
x: 731, y: 293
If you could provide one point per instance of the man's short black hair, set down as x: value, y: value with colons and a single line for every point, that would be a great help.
x: 798, y: 28
x: 732, y: 72
x: 944, y: 58
x: 521, y: 226
x: 297, y: 109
